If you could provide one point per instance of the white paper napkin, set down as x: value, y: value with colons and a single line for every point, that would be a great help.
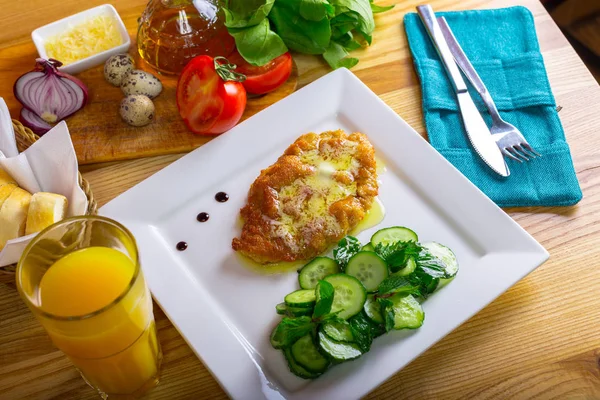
x: 49, y: 165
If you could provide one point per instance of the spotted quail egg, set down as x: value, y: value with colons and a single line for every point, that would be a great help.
x: 141, y: 82
x: 117, y: 67
x: 137, y: 110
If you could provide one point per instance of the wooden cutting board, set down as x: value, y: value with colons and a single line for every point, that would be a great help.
x: 97, y: 130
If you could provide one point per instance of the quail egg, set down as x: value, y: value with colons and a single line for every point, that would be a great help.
x: 117, y: 67
x: 141, y: 82
x: 137, y: 110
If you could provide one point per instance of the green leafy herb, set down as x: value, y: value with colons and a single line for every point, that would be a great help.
x: 347, y: 247
x: 324, y: 27
x: 428, y: 272
x: 289, y: 330
x: 329, y: 317
x: 377, y: 330
x: 431, y: 265
x: 362, y: 9
x: 246, y: 13
x: 361, y: 331
x: 324, y: 294
x: 379, y: 9
x: 315, y: 10
x: 298, y: 33
x: 387, y: 309
x: 426, y: 283
x: 396, y: 254
x: 343, y: 24
x: 258, y: 44
x: 396, y: 284
x: 337, y: 56
x: 347, y: 41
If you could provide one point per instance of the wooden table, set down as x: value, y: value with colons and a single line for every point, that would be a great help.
x: 541, y: 339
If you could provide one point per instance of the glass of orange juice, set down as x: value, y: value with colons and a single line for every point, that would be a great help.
x: 81, y: 277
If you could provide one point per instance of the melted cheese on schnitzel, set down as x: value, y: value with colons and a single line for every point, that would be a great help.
x: 309, y: 199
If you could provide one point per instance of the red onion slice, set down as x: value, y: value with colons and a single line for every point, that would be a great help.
x: 33, y: 122
x: 50, y: 94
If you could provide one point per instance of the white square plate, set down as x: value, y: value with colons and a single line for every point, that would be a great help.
x: 226, y: 312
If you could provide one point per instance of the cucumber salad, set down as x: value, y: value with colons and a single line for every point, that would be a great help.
x: 361, y: 293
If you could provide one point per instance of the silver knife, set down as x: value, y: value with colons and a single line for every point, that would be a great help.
x: 477, y: 131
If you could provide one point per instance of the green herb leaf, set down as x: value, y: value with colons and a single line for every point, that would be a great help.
x: 347, y: 40
x: 330, y: 317
x: 289, y: 330
x: 337, y: 56
x: 427, y: 284
x: 387, y: 309
x: 428, y: 272
x: 258, y: 44
x: 362, y: 9
x: 315, y: 10
x: 361, y: 331
x: 343, y: 24
x: 324, y: 294
x: 298, y: 33
x: 347, y: 247
x: 431, y: 265
x: 396, y: 254
x: 396, y: 284
x: 377, y: 330
x: 246, y: 13
x: 379, y: 9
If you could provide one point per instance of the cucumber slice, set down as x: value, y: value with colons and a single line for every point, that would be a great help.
x: 338, y: 351
x: 284, y: 309
x: 338, y: 331
x: 301, y: 298
x: 349, y: 295
x: 446, y: 255
x: 411, y: 264
x: 316, y: 270
x: 281, y: 308
x: 392, y: 235
x: 296, y: 368
x: 368, y: 268
x: 408, y: 313
x: 373, y: 310
x: 305, y: 352
x: 368, y: 247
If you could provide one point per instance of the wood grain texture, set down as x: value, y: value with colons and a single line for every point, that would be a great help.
x: 98, y: 132
x: 539, y: 340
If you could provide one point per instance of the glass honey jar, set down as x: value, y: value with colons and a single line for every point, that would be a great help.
x: 172, y: 32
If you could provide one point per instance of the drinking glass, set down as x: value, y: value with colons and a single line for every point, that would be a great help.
x: 114, y: 346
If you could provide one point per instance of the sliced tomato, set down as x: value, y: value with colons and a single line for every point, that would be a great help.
x: 208, y: 104
x: 266, y: 78
x: 234, y: 97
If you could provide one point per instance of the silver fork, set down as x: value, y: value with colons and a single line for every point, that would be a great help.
x: 508, y: 138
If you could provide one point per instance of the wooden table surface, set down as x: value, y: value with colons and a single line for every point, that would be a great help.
x: 541, y: 339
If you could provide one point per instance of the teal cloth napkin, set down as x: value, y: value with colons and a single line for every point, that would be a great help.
x: 502, y: 46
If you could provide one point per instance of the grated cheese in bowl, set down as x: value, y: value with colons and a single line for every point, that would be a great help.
x: 83, y: 40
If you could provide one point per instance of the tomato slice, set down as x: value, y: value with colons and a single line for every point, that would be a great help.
x: 266, y: 78
x: 198, y: 97
x: 210, y: 98
x: 234, y: 98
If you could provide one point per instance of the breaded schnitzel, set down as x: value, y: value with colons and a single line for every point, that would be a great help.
x: 316, y: 192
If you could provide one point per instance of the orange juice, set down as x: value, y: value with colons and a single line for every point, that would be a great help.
x: 116, y: 348
x: 85, y: 281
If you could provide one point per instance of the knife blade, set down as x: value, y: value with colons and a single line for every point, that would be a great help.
x: 477, y: 130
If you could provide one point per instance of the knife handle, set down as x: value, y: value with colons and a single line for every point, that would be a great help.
x: 435, y: 33
x: 467, y: 68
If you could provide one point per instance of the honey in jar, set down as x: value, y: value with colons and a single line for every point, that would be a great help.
x: 172, y: 32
